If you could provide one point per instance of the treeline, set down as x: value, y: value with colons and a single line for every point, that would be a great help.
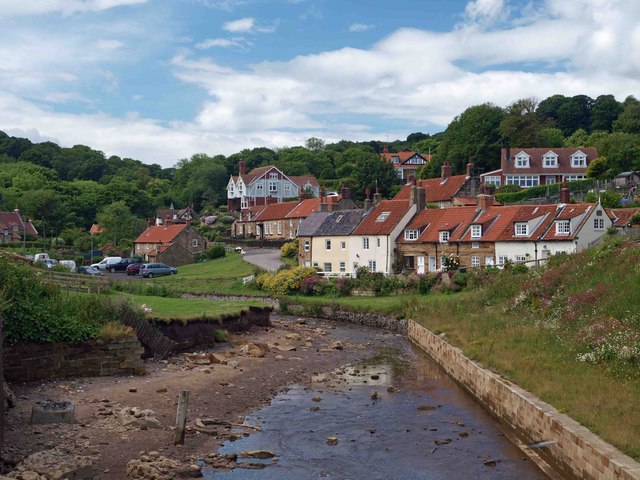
x: 65, y: 190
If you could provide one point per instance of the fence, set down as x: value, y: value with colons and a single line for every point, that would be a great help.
x: 77, y: 282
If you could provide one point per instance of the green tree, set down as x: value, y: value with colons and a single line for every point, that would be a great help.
x: 314, y: 144
x: 371, y: 171
x: 629, y: 119
x: 579, y: 138
x: 119, y: 223
x: 598, y: 168
x: 622, y: 151
x: 473, y: 136
x: 551, y: 137
x: 604, y: 112
x: 521, y: 124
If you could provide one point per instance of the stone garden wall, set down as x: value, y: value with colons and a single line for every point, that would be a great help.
x: 26, y: 362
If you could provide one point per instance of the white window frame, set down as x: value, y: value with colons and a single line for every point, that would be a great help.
x: 343, y: 267
x: 522, y: 161
x: 523, y: 181
x: 327, y: 244
x: 502, y: 260
x: 444, y: 236
x: 493, y: 180
x: 279, y: 227
x: 521, y: 229
x: 343, y: 245
x: 365, y: 243
x: 307, y: 245
x: 372, y: 266
x: 382, y: 217
x: 260, y: 186
x: 411, y: 234
x: 521, y: 258
x: 273, y: 186
x: 194, y: 242
x: 598, y: 223
x: 475, y: 244
x: 578, y: 160
x: 550, y: 160
x: 573, y: 178
x: 563, y: 227
x: 475, y: 261
x: 476, y: 231
x: 325, y: 269
x: 378, y: 241
x: 244, y: 202
x: 273, y: 176
x: 290, y: 229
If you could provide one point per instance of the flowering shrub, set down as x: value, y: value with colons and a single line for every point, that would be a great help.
x: 284, y: 282
x: 450, y: 262
x: 313, y: 285
x: 289, y: 250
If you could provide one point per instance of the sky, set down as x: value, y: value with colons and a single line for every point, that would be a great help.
x: 160, y: 80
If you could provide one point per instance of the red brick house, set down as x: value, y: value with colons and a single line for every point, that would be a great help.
x: 175, y: 244
x: 406, y: 163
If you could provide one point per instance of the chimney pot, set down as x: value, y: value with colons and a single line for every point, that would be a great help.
x: 470, y: 169
x: 484, y: 201
x: 565, y: 195
x: 242, y: 167
x: 446, y: 170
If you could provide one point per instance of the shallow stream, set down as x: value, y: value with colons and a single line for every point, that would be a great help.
x: 395, y: 417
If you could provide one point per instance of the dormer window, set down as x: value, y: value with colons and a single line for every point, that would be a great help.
x: 410, y: 234
x: 521, y: 229
x: 395, y: 159
x: 476, y: 231
x: 578, y: 160
x: 563, y: 227
x: 522, y: 160
x: 444, y: 236
x: 383, y: 216
x: 550, y: 160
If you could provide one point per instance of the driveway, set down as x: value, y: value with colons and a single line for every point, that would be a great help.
x: 267, y: 258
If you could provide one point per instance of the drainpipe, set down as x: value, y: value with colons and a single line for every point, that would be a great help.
x: 389, y: 262
x: 535, y: 253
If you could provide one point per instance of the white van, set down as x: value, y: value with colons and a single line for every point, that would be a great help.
x: 69, y: 264
x: 41, y: 257
x: 106, y: 262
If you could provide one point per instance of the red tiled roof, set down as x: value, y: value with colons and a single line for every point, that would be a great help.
x: 404, y: 156
x: 305, y: 208
x: 437, y: 189
x: 302, y: 180
x: 536, y: 164
x: 276, y: 211
x: 161, y: 233
x: 434, y: 220
x: 95, y: 229
x: 570, y: 212
x: 371, y: 226
x: 471, y: 201
x: 621, y: 216
x: 526, y: 213
x: 11, y: 219
x: 247, y: 178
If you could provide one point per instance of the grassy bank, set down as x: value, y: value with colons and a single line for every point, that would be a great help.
x: 569, y: 333
x: 395, y: 304
x: 167, y: 308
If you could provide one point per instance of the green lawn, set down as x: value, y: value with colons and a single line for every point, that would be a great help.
x: 391, y: 304
x: 167, y: 308
x: 222, y: 276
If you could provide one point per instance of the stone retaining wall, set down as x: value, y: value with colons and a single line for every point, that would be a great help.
x: 577, y: 453
x: 368, y: 319
x: 37, y: 361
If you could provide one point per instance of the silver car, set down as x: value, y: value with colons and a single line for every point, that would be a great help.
x: 150, y: 270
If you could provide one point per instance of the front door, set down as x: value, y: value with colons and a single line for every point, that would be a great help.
x: 433, y: 266
x: 420, y: 268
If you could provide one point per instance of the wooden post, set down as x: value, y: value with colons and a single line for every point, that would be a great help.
x: 181, y: 417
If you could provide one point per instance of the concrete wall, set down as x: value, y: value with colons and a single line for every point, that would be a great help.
x: 578, y: 453
x: 36, y: 361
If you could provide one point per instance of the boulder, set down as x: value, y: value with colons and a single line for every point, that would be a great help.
x: 135, y: 417
x: 56, y: 464
x: 9, y: 397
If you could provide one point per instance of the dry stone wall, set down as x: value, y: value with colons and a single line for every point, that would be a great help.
x: 575, y: 452
x: 36, y: 361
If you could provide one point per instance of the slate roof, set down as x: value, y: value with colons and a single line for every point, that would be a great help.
x: 371, y: 225
x: 309, y: 225
x: 161, y: 233
x: 341, y: 222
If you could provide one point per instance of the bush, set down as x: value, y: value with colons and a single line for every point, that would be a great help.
x: 289, y: 250
x: 227, y: 220
x: 313, y: 285
x: 217, y: 251
x: 460, y: 279
x: 426, y: 283
x: 284, y: 282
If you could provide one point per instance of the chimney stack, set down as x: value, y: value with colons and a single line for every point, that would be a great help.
x: 367, y: 200
x: 323, y: 194
x: 411, y: 180
x: 445, y: 170
x: 417, y: 197
x: 470, y: 169
x: 301, y: 194
x: 150, y: 222
x: 564, y: 192
x: 242, y: 167
x: 484, y: 201
x: 385, y: 149
x: 377, y: 197
x: 344, y: 192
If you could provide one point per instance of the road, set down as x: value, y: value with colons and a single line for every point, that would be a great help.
x: 267, y: 258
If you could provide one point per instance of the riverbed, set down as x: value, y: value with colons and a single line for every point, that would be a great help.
x: 394, y: 416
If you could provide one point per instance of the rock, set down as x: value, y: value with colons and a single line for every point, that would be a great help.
x: 337, y: 345
x: 314, y: 409
x: 490, y: 463
x: 293, y: 336
x: 159, y: 468
x: 137, y: 418
x: 9, y: 397
x: 301, y: 321
x: 286, y: 348
x: 374, y: 396
x: 133, y: 390
x: 254, y: 350
x: 29, y: 476
x: 390, y: 389
x: 463, y: 434
x: 261, y: 454
x: 332, y: 440
x: 317, y: 399
x: 53, y: 412
x: 445, y: 441
x: 57, y: 465
x: 424, y: 408
x: 279, y: 357
x: 162, y: 390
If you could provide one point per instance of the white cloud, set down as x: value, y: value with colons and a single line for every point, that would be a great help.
x: 486, y: 11
x: 236, y: 42
x: 66, y: 7
x: 240, y: 25
x: 360, y: 27
x: 109, y: 44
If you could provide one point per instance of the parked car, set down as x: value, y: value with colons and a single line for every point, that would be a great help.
x: 50, y: 263
x: 69, y: 264
x: 90, y: 271
x: 40, y: 257
x: 134, y: 268
x: 150, y: 270
x: 106, y: 263
x: 122, y: 265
